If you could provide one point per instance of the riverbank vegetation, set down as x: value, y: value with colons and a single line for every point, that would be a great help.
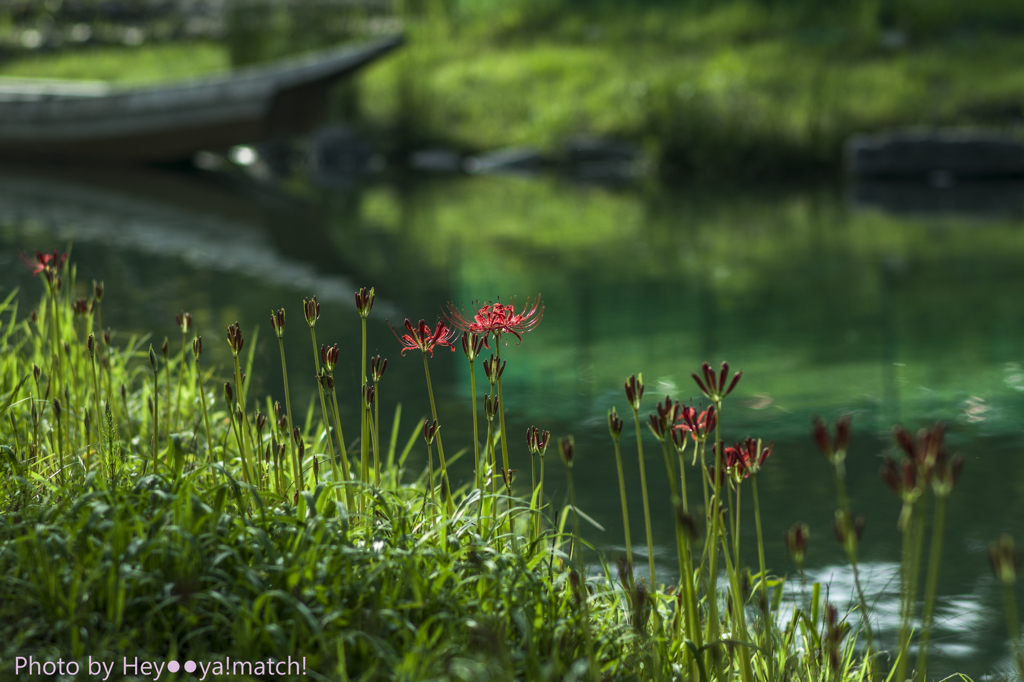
x: 710, y: 88
x: 152, y: 507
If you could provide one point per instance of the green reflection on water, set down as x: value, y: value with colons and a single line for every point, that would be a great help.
x: 827, y: 311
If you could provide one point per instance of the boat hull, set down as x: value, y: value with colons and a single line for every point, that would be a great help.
x: 175, y: 121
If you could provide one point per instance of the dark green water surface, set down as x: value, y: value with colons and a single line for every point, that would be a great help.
x: 828, y: 310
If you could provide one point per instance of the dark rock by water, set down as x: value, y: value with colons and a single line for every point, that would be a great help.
x: 935, y: 153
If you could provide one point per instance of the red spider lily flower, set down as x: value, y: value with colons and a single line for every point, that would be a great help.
x: 421, y: 337
x: 498, y: 319
x: 667, y: 413
x: 745, y: 459
x: 698, y: 425
x: 47, y: 263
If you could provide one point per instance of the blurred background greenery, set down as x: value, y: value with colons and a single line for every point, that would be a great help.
x: 712, y: 87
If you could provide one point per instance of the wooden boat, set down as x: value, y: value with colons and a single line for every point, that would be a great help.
x: 66, y: 119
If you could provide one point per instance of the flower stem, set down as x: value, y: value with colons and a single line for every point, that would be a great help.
x: 181, y: 378
x: 932, y: 586
x: 449, y: 505
x: 595, y: 673
x: 625, y: 508
x: 346, y: 473
x: 206, y: 416
x: 643, y: 490
x: 476, y: 431
x: 296, y: 465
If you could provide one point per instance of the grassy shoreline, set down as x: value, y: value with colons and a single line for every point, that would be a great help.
x: 184, y: 524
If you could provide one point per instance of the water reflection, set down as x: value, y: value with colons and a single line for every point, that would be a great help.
x: 827, y: 311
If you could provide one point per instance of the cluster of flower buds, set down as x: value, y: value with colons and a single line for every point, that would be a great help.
x: 635, y: 391
x: 1005, y: 560
x: 325, y: 380
x: 282, y: 424
x: 490, y: 407
x: 89, y: 344
x: 197, y: 347
x: 377, y: 367
x: 311, y: 309
x: 277, y: 322
x: 713, y: 388
x: 430, y: 430
x: 368, y: 395
x: 926, y: 463
x: 615, y: 424
x: 568, y: 447
x: 472, y: 344
x: 743, y: 460
x: 152, y: 358
x: 80, y: 307
x: 663, y: 420
x: 36, y: 372
x: 849, y: 531
x: 796, y: 542
x: 364, y: 301
x: 422, y: 337
x: 835, y: 634
x: 537, y: 440
x: 184, y: 321
x: 57, y: 409
x: 97, y: 290
x: 261, y: 421
x: 687, y: 522
x: 329, y: 357
x: 834, y: 450
x: 229, y: 393
x: 235, y: 339
x: 493, y: 368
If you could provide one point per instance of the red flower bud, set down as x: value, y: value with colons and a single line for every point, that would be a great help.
x: 277, y: 322
x: 311, y: 309
x: 197, y: 346
x: 235, y: 339
x: 97, y: 290
x: 364, y: 301
x: 615, y: 424
x: 568, y: 447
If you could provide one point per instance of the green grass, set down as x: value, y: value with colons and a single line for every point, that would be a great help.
x: 125, y: 65
x: 148, y: 510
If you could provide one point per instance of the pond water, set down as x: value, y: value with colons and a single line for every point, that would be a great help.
x: 829, y: 308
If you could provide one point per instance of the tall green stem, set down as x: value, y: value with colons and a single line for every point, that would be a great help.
x: 476, y: 431
x: 595, y: 672
x: 364, y: 436
x: 346, y: 473
x: 622, y: 497
x: 181, y: 378
x: 296, y: 465
x: 206, y: 416
x: 449, y: 504
x: 932, y: 586
x: 643, y: 490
